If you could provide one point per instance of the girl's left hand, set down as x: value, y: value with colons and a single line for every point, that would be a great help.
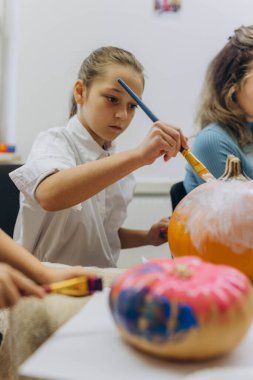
x: 158, y: 233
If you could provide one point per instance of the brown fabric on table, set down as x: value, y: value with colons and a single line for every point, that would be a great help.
x: 31, y: 322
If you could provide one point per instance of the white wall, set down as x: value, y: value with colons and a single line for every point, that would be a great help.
x: 1, y: 52
x: 51, y: 38
x: 9, y: 85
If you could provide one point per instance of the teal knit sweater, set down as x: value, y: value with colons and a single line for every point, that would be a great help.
x: 212, y: 146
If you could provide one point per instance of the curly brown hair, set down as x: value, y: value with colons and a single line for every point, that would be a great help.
x: 226, y: 73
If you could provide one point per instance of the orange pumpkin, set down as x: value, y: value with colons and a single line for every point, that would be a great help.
x: 215, y: 221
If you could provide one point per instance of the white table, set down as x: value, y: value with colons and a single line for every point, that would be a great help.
x: 89, y: 346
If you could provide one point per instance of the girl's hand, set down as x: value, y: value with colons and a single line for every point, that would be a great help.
x: 50, y: 275
x: 158, y: 233
x: 163, y: 139
x: 13, y: 285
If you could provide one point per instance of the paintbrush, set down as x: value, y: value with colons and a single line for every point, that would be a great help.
x: 77, y: 286
x: 197, y: 165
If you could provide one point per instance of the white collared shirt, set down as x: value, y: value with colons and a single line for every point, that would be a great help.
x: 85, y: 234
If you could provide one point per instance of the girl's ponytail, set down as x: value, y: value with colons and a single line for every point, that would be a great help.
x: 73, y: 107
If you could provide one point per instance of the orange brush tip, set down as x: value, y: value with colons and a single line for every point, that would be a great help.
x: 197, y: 166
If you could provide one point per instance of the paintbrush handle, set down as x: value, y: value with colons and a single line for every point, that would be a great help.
x: 138, y: 101
x: 77, y: 286
x: 197, y: 166
x: 143, y: 106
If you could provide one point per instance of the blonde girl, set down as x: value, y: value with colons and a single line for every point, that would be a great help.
x: 225, y: 114
x: 74, y: 189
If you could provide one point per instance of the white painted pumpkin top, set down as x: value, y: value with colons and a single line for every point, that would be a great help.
x: 222, y: 211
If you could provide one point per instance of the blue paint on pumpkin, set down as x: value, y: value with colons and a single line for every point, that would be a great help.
x: 186, y: 318
x: 149, y: 316
x: 157, y: 314
x: 129, y: 308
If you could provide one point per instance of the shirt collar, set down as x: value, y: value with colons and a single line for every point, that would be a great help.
x: 84, y: 142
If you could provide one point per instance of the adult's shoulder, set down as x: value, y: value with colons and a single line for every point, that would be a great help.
x: 214, y: 131
x: 214, y: 137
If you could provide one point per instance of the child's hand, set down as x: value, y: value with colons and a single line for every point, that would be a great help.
x: 13, y: 285
x: 163, y: 139
x: 53, y: 275
x: 158, y: 233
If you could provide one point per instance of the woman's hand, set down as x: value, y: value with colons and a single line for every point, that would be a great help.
x: 13, y: 285
x: 162, y: 140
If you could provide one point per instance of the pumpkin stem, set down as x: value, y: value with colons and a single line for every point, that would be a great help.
x: 233, y: 170
x: 182, y: 270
